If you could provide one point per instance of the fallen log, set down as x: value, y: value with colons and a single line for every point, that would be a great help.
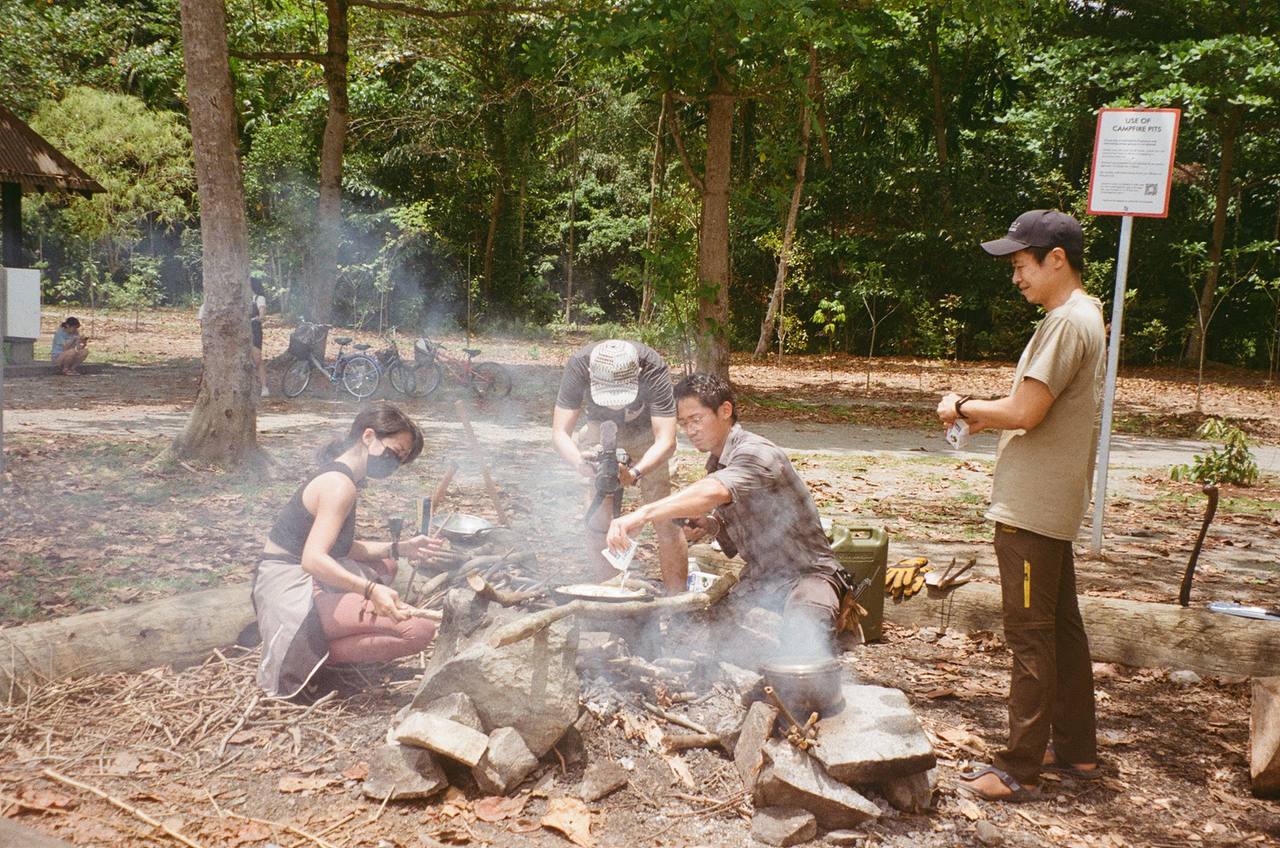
x: 502, y: 597
x: 178, y: 631
x: 1127, y: 632
x: 523, y: 628
x: 1264, y: 738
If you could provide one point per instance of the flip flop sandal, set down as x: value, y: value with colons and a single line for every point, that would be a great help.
x: 1018, y: 794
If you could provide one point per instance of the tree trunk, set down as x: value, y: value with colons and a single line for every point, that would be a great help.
x: 223, y: 425
x: 788, y: 231
x: 656, y: 174
x: 573, y: 213
x: 1231, y: 122
x: 713, y: 237
x: 1127, y: 632
x: 491, y: 239
x: 939, y: 115
x: 323, y: 255
x: 177, y: 631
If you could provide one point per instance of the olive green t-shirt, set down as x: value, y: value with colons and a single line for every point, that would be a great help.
x: 1044, y: 476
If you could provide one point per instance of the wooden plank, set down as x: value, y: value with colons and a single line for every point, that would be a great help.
x: 1126, y: 632
x: 178, y: 631
x: 1264, y: 738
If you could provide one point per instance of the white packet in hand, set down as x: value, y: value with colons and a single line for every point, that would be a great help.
x: 958, y: 434
x: 622, y: 561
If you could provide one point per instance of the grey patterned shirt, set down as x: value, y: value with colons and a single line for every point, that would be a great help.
x: 772, y: 521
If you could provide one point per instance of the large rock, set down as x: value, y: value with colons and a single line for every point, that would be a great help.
x: 456, y: 707
x: 453, y: 740
x: 792, y: 778
x: 748, y: 751
x: 403, y: 771
x: 783, y: 826
x: 874, y: 738
x: 505, y: 763
x: 531, y: 685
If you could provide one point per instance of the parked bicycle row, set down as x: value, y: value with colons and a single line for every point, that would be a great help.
x: 361, y: 370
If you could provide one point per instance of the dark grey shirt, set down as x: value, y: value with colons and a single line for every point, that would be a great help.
x: 656, y: 396
x: 772, y: 521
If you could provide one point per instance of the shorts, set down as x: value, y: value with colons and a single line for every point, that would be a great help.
x: 654, y: 485
x: 255, y: 330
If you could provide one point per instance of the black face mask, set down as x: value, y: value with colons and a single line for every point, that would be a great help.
x: 382, y: 465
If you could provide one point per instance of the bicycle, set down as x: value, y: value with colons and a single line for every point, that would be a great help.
x: 486, y: 379
x: 358, y: 372
x: 399, y: 373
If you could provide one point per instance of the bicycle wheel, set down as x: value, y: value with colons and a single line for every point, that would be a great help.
x: 295, y: 379
x: 402, y: 379
x: 360, y: 376
x: 489, y: 379
x: 426, y: 379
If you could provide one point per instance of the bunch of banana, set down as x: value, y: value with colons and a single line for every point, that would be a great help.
x: 905, y: 578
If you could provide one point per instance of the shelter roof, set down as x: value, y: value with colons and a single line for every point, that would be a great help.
x: 35, y: 164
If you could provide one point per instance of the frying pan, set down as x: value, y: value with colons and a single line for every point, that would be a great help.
x: 461, y: 527
x: 600, y: 592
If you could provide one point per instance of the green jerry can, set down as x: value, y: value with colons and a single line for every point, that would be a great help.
x: 864, y: 553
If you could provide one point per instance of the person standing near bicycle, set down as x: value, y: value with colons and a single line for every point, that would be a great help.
x: 629, y: 384
x: 319, y: 593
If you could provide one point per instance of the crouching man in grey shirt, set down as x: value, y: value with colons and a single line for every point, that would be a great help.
x: 755, y: 504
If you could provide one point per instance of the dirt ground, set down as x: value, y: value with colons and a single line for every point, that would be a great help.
x: 89, y: 525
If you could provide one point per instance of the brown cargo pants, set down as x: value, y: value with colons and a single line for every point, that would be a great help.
x: 1051, y: 693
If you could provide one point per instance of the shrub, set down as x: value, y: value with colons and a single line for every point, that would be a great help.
x: 1232, y: 463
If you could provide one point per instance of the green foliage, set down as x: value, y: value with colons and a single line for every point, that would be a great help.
x: 140, y: 289
x: 1233, y: 462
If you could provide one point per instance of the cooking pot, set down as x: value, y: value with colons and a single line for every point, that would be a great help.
x: 461, y: 527
x: 805, y: 684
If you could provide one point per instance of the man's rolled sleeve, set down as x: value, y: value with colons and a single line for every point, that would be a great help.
x: 745, y: 474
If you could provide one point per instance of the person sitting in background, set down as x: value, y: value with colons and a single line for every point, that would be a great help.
x: 319, y: 594
x: 69, y: 349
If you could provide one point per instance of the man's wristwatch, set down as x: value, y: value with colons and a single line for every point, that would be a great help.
x: 961, y: 402
x: 636, y: 474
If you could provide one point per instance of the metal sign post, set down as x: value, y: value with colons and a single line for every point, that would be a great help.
x: 1132, y: 173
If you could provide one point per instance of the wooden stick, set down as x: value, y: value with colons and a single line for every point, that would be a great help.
x: 523, y: 628
x: 502, y: 597
x: 442, y: 488
x: 675, y: 719
x: 685, y: 741
x: 283, y: 826
x: 484, y: 463
x: 134, y: 811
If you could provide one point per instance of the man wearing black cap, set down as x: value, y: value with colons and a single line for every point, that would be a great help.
x: 1039, y: 495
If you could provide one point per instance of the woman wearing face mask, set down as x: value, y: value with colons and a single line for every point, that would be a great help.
x: 319, y: 593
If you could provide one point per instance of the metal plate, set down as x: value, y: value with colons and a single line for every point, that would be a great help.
x: 601, y: 592
x: 1258, y: 613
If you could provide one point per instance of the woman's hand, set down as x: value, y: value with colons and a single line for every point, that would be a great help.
x: 424, y: 548
x: 386, y: 602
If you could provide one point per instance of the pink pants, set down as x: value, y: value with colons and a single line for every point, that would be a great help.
x: 373, y: 640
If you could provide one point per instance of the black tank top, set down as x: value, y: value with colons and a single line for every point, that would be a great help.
x: 294, y: 522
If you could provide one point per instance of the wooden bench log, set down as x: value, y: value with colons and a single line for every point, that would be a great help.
x: 1264, y: 738
x: 178, y: 631
x: 1126, y: 632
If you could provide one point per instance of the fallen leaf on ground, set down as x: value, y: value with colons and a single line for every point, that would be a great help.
x: 44, y: 799
x: 524, y: 826
x: 571, y: 817
x: 289, y: 783
x: 123, y: 763
x: 359, y: 771
x: 970, y: 810
x: 496, y: 808
x: 251, y: 832
x: 962, y: 738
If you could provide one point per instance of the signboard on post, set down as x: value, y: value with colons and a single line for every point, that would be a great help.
x: 1132, y: 175
x: 1133, y: 162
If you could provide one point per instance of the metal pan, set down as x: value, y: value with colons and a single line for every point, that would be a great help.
x: 806, y: 685
x: 601, y: 592
x: 461, y: 527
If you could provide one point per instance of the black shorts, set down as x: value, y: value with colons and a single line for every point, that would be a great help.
x: 255, y: 328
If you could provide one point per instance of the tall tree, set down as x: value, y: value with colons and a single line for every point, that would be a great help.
x: 222, y: 429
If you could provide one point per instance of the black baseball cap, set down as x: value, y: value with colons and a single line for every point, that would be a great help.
x: 1039, y: 228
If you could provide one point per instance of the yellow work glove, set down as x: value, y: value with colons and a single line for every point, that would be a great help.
x: 905, y: 577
